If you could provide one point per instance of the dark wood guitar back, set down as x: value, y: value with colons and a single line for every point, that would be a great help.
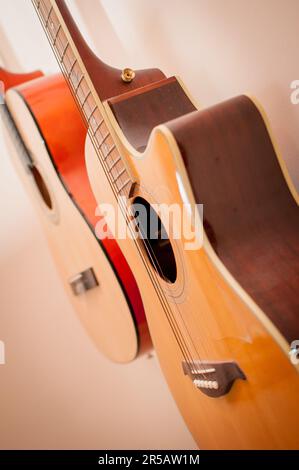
x: 106, y: 80
x: 250, y: 215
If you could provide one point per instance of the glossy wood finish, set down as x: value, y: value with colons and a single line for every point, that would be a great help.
x: 60, y: 125
x: 139, y: 111
x: 11, y: 79
x: 218, y: 321
x: 252, y: 218
x: 106, y: 80
x: 68, y: 157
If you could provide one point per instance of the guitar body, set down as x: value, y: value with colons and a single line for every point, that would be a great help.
x: 53, y: 131
x: 218, y: 320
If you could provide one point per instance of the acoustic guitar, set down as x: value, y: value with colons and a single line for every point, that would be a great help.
x: 46, y: 136
x: 222, y: 315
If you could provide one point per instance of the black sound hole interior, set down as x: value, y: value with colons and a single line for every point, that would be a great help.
x: 155, y: 239
x: 41, y: 186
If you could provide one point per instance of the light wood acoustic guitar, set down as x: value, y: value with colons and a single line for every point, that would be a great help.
x: 222, y: 316
x: 46, y: 135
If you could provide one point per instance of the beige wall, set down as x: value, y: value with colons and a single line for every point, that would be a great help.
x: 56, y: 391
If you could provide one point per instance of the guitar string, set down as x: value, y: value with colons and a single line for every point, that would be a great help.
x: 76, y: 98
x: 183, y: 346
x: 157, y: 263
x: 58, y: 56
x: 150, y: 254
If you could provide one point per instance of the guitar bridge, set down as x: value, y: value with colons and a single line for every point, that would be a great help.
x: 84, y: 281
x: 214, y: 379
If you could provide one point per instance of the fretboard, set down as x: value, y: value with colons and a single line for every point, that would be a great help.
x: 76, y: 76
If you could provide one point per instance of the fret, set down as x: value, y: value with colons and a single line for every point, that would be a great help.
x: 79, y: 83
x: 51, y: 24
x: 53, y: 21
x: 96, y: 143
x: 98, y: 137
x: 86, y: 98
x: 99, y: 140
x: 67, y: 59
x: 118, y: 175
x: 64, y: 51
x: 56, y: 35
x: 44, y: 11
x: 71, y: 69
x: 124, y: 185
x: 38, y: 2
x: 59, y: 37
x: 98, y: 127
x: 49, y: 20
x: 111, y: 150
x: 40, y: 9
x: 83, y: 94
x: 88, y: 105
x: 48, y: 17
x: 96, y: 121
x: 47, y: 4
x: 114, y: 163
x: 105, y: 155
x: 60, y: 46
x: 91, y: 114
x: 106, y: 145
x: 74, y: 74
x: 105, y: 138
x: 55, y: 32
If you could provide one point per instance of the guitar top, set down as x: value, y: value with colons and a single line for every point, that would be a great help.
x: 222, y: 310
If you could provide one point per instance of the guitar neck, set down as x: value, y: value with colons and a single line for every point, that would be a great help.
x: 76, y: 60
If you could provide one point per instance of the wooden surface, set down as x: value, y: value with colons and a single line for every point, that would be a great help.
x: 50, y: 99
x: 73, y: 245
x: 251, y: 217
x: 139, y: 111
x: 216, y: 319
x: 107, y: 80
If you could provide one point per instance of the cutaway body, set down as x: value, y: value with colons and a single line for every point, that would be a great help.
x: 206, y: 317
x: 54, y: 135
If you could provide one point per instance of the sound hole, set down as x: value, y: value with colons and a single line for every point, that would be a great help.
x: 155, y: 239
x: 42, y: 188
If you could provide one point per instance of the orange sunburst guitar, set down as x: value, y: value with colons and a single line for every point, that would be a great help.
x: 46, y: 137
x: 221, y: 315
